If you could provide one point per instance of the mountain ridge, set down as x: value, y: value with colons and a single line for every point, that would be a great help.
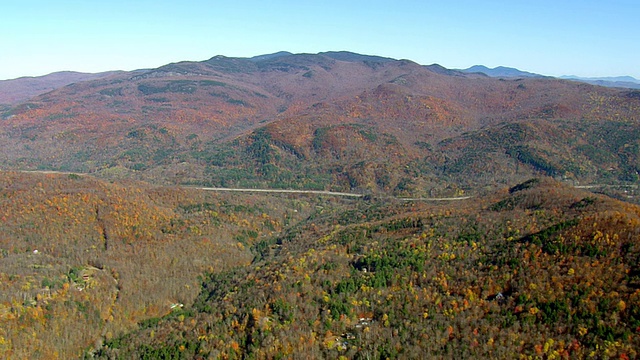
x: 500, y: 71
x: 602, y: 78
x: 14, y: 91
x: 612, y: 81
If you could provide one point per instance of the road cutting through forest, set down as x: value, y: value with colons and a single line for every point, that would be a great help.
x: 313, y: 192
x: 281, y: 191
x: 324, y: 192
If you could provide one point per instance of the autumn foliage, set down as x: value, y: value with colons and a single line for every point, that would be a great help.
x: 556, y: 276
x: 327, y: 122
x: 120, y: 254
x: 82, y: 260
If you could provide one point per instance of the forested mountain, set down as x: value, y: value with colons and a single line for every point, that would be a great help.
x: 464, y: 236
x: 334, y: 120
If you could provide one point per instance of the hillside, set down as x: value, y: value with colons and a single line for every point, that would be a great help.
x: 82, y: 260
x: 540, y: 270
x: 335, y: 120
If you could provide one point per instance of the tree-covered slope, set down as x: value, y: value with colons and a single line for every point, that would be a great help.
x: 82, y: 260
x: 541, y: 271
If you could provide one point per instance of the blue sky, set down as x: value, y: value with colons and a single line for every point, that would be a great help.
x: 577, y: 37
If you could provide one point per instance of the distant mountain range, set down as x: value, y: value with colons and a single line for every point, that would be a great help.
x: 500, y: 71
x: 609, y: 78
x: 616, y: 81
x: 508, y: 72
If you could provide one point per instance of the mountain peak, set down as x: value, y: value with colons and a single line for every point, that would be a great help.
x: 439, y: 69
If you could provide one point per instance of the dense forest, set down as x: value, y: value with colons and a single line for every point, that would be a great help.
x: 536, y: 271
x: 82, y: 260
x: 126, y: 270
